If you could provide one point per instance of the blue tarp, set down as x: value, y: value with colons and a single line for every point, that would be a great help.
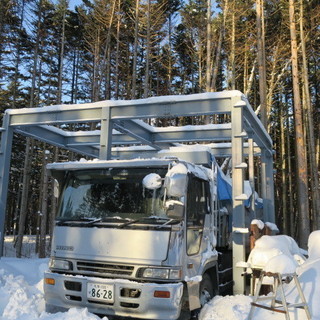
x: 224, y: 189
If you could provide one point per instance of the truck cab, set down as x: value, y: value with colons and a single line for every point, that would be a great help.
x: 134, y: 238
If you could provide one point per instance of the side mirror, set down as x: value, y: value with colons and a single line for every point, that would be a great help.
x: 174, y: 209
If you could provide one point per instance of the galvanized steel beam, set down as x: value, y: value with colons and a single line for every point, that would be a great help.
x: 5, y: 158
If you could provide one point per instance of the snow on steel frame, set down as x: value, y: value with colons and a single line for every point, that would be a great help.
x: 244, y: 136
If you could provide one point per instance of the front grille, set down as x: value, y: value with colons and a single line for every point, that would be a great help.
x: 104, y: 268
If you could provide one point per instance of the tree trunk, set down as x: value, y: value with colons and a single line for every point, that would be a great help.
x: 44, y: 207
x: 219, y: 46
x: 304, y: 224
x: 61, y: 56
x: 116, y: 90
x: 208, y: 70
x: 250, y: 80
x: 310, y: 128
x: 135, y: 51
x: 261, y: 61
x: 284, y: 174
x: 53, y: 207
x: 24, y: 197
x: 148, y: 51
x: 232, y: 73
x: 96, y: 73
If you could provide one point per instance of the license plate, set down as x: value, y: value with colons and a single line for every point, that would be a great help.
x: 100, y: 292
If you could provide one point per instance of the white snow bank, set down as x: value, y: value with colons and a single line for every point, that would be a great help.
x: 226, y: 308
x: 313, y: 245
x: 72, y: 314
x: 309, y: 278
x: 21, y: 292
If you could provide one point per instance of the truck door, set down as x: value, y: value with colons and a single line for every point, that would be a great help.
x: 197, y: 208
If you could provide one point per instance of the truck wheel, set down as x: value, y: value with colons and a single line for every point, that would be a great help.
x: 206, y: 290
x: 206, y: 293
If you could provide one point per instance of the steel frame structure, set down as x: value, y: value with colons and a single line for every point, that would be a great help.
x: 244, y: 137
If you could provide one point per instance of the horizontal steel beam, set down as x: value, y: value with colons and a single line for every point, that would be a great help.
x: 167, y: 107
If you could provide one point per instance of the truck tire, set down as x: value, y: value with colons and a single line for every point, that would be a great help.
x: 206, y: 293
x: 206, y: 290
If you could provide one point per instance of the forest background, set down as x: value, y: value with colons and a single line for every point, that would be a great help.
x: 127, y: 49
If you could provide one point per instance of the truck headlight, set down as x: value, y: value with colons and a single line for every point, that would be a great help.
x: 60, y: 264
x: 160, y: 273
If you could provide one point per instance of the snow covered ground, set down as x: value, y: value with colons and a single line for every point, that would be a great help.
x: 21, y: 294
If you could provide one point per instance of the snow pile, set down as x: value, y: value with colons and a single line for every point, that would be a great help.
x: 268, y: 247
x: 21, y: 292
x: 226, y: 308
x: 313, y: 245
x: 309, y: 277
x: 281, y: 264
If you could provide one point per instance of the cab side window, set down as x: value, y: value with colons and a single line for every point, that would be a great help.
x: 197, y: 208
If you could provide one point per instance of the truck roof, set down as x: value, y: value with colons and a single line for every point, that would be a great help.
x: 194, y: 155
x: 102, y: 164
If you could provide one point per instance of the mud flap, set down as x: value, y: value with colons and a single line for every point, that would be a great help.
x: 193, y: 294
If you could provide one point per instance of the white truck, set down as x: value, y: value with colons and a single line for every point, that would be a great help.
x: 144, y: 231
x: 136, y: 238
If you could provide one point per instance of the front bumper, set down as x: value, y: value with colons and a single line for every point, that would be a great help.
x: 71, y: 291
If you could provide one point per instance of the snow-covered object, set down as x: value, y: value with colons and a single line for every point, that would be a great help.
x: 152, y: 181
x: 284, y: 243
x: 272, y: 226
x: 258, y: 258
x: 269, y: 246
x: 176, y: 177
x: 176, y: 180
x: 259, y: 223
x: 179, y: 168
x: 281, y: 264
x: 314, y: 245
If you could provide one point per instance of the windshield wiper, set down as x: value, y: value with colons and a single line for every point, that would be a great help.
x: 82, y: 220
x: 170, y: 221
x: 125, y: 224
x: 89, y: 223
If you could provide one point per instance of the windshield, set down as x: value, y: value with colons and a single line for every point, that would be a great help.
x: 111, y: 194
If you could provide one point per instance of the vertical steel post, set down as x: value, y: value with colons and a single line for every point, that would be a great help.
x: 5, y: 158
x: 106, y: 134
x: 251, y: 172
x: 238, y: 237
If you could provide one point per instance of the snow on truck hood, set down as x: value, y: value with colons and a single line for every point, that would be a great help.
x: 122, y: 245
